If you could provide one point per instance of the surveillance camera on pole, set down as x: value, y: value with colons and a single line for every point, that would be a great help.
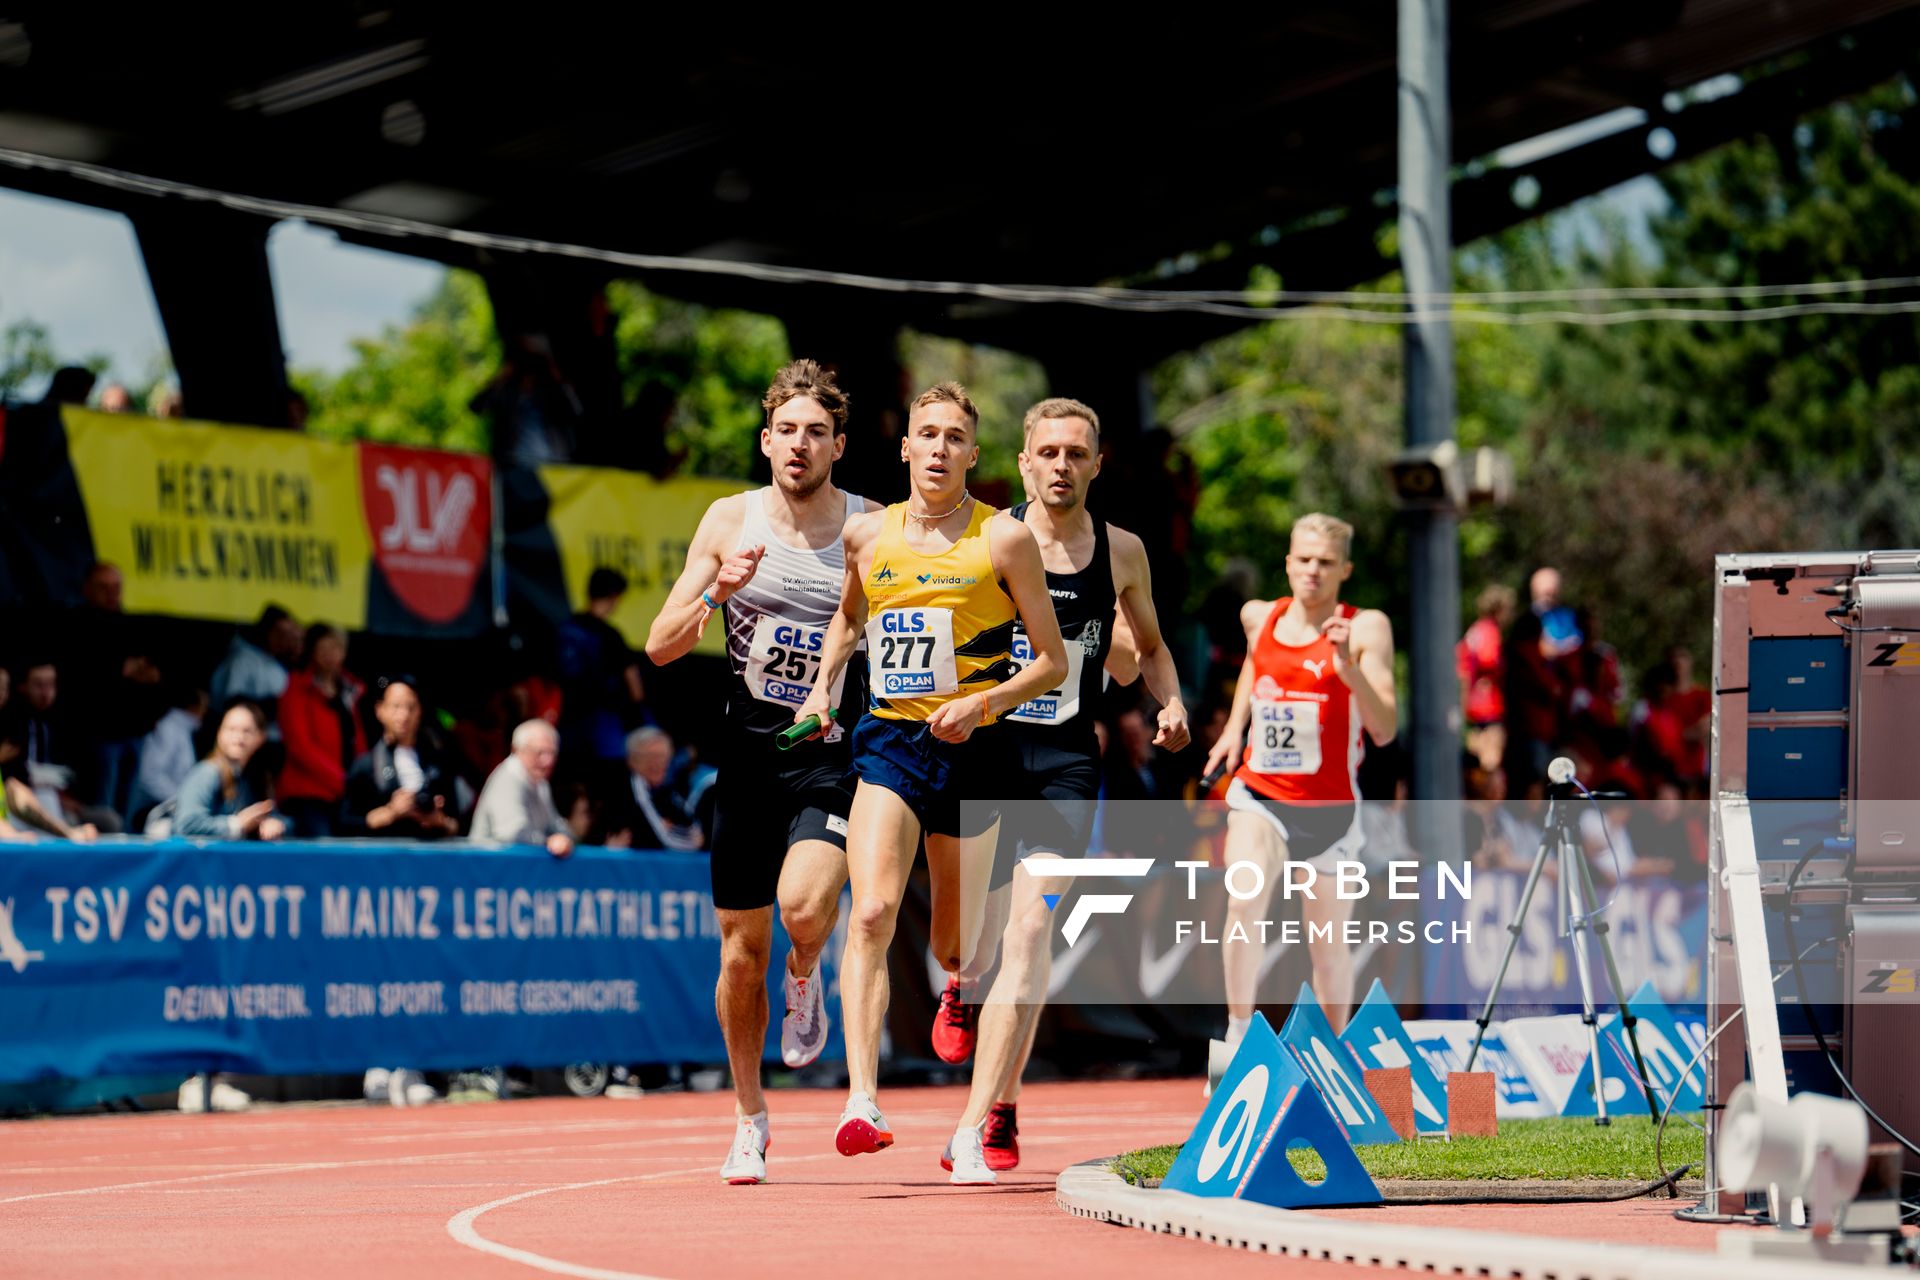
x: 1444, y: 477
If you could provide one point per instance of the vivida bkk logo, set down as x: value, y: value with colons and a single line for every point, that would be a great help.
x: 945, y: 580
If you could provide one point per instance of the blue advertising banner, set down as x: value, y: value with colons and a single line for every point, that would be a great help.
x: 134, y: 958
x: 1658, y: 932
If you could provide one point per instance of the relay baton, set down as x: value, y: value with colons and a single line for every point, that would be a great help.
x: 801, y: 731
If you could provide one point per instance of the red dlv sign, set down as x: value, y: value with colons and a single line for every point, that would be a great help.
x: 430, y: 517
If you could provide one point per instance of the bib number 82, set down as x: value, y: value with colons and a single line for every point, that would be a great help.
x: 1278, y: 737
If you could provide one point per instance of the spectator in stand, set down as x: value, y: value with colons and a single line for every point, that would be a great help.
x: 71, y: 384
x: 403, y: 787
x: 166, y: 402
x: 114, y: 695
x: 1669, y: 835
x: 227, y: 796
x: 531, y: 409
x: 1590, y: 726
x: 1535, y: 688
x: 40, y: 742
x: 18, y: 804
x: 516, y: 806
x: 646, y: 810
x: 483, y: 737
x: 322, y: 732
x: 1482, y: 663
x: 1692, y: 707
x: 167, y: 754
x: 600, y: 684
x: 257, y: 660
x: 114, y: 398
x: 1559, y: 625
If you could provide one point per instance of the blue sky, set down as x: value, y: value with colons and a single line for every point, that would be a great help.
x: 77, y: 271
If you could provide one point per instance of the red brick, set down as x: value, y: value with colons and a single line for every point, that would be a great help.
x: 1392, y: 1088
x: 1470, y: 1107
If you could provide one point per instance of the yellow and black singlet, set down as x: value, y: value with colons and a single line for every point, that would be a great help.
x: 939, y: 627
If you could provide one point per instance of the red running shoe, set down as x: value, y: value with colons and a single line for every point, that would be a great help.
x: 1000, y: 1138
x: 955, y: 1023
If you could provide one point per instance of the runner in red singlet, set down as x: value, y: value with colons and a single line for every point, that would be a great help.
x: 1317, y: 673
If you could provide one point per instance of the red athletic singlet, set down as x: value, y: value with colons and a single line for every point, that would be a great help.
x: 1303, y: 745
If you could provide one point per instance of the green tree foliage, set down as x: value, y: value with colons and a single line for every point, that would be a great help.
x: 1642, y: 449
x: 713, y: 363
x: 27, y: 357
x: 1002, y: 384
x: 412, y: 384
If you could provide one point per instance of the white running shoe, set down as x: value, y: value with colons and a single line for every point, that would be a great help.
x: 968, y: 1161
x: 374, y: 1085
x: 193, y: 1096
x: 747, y: 1162
x: 803, y: 1032
x: 408, y: 1088
x: 862, y: 1128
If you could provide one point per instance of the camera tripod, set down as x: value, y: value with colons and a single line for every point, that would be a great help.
x: 1561, y: 841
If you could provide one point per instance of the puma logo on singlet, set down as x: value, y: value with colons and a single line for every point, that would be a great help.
x: 1319, y: 668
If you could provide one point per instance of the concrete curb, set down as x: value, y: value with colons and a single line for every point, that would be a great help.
x: 1091, y: 1190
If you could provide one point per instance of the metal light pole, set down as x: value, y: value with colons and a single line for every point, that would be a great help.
x: 1426, y: 256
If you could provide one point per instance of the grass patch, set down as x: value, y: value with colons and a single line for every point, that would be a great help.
x: 1556, y: 1149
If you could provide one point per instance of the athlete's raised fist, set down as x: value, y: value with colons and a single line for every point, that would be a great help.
x: 736, y: 571
x: 1173, y: 734
x: 1340, y: 631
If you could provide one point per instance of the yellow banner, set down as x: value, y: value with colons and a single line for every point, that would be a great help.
x: 633, y: 523
x: 210, y: 521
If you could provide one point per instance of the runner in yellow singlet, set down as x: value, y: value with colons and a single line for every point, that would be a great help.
x: 936, y: 584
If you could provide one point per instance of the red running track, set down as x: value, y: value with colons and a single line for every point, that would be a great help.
x: 600, y: 1187
x: 597, y: 1188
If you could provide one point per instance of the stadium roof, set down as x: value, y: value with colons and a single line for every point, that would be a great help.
x: 1020, y: 146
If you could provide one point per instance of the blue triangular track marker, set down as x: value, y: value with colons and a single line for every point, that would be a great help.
x: 1052, y: 900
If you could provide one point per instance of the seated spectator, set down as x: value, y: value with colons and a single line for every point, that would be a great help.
x: 599, y: 682
x: 167, y: 753
x: 516, y: 806
x: 225, y: 797
x: 403, y: 787
x: 322, y: 733
x: 647, y: 811
x: 46, y: 776
x: 483, y: 739
x: 1669, y: 835
x: 257, y: 660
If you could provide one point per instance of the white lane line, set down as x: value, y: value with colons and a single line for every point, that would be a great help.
x: 486, y: 1155
x: 461, y: 1227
